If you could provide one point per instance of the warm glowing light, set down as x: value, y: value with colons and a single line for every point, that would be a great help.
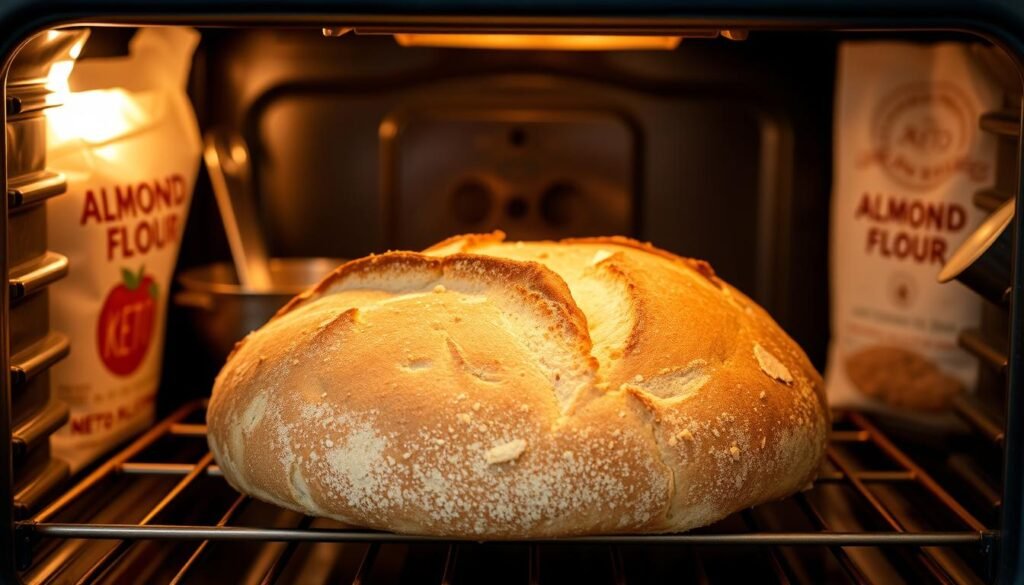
x: 238, y: 154
x: 388, y: 129
x: 100, y: 115
x: 57, y: 76
x: 540, y: 42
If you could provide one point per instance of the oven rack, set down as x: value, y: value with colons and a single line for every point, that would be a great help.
x: 931, y: 549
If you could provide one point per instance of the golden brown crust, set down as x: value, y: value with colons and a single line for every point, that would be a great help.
x: 501, y: 390
x: 461, y: 242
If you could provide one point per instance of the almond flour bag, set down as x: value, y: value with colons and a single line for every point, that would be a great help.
x: 908, y: 158
x: 127, y: 140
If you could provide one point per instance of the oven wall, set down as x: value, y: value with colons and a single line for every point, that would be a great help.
x: 719, y: 150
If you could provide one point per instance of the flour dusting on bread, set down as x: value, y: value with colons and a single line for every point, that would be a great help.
x: 496, y: 390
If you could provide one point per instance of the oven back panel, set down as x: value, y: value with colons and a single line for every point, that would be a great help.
x: 719, y: 150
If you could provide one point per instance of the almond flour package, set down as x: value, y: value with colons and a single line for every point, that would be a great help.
x: 128, y: 142
x: 908, y: 157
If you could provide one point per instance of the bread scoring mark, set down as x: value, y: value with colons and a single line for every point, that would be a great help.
x: 771, y: 365
x: 505, y: 452
x: 299, y: 488
x: 563, y: 344
x: 254, y: 413
x: 625, y: 344
x: 417, y: 364
x: 484, y: 373
x: 672, y: 385
x: 600, y: 256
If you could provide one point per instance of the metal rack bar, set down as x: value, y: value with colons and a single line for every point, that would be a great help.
x: 879, y: 508
x: 845, y: 562
x: 115, y: 462
x: 135, y: 468
x: 926, y: 480
x: 876, y: 505
x: 977, y: 345
x: 366, y: 563
x: 450, y: 559
x: 235, y: 507
x: 976, y: 415
x: 188, y: 430
x: 533, y: 565
x: 282, y: 559
x: 777, y: 563
x: 849, y: 436
x: 618, y: 570
x: 104, y: 563
x: 176, y: 532
x: 1003, y: 122
x: 700, y: 573
x: 968, y: 471
x: 990, y: 199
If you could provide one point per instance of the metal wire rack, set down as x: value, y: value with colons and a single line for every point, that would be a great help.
x: 958, y: 552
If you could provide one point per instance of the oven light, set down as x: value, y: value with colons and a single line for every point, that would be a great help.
x: 57, y: 76
x: 540, y: 42
x: 98, y: 116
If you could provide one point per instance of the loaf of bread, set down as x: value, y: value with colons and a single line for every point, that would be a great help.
x: 495, y: 390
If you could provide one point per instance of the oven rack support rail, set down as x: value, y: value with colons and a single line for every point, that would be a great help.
x: 926, y: 545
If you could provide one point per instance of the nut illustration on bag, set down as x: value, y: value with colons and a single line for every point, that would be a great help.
x: 908, y: 158
x: 901, y: 378
x: 124, y: 330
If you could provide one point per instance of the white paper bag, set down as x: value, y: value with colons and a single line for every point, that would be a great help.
x: 908, y: 157
x: 127, y: 139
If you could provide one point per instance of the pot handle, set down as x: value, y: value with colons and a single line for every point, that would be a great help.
x: 194, y: 299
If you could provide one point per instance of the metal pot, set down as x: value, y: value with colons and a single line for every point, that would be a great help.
x: 222, y: 312
x: 983, y: 260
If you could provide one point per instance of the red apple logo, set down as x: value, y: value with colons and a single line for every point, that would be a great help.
x: 125, y: 328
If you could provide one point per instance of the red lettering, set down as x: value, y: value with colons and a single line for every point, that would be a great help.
x: 864, y: 207
x: 144, y: 194
x: 897, y: 210
x: 916, y: 215
x: 938, y: 254
x: 107, y: 214
x: 143, y: 237
x: 874, y: 239
x: 91, y: 210
x: 125, y: 202
x: 916, y: 247
x: 177, y: 183
x: 957, y: 218
x: 163, y: 193
x: 113, y: 241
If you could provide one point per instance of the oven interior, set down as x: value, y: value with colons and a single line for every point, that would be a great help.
x: 720, y: 148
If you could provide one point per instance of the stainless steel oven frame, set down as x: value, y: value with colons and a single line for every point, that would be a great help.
x: 999, y: 22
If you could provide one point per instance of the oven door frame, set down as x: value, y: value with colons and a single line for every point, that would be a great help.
x: 1001, y: 23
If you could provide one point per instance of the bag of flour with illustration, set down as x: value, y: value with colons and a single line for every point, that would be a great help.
x: 908, y: 157
x: 127, y: 140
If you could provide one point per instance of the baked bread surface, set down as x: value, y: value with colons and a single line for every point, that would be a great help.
x: 495, y: 390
